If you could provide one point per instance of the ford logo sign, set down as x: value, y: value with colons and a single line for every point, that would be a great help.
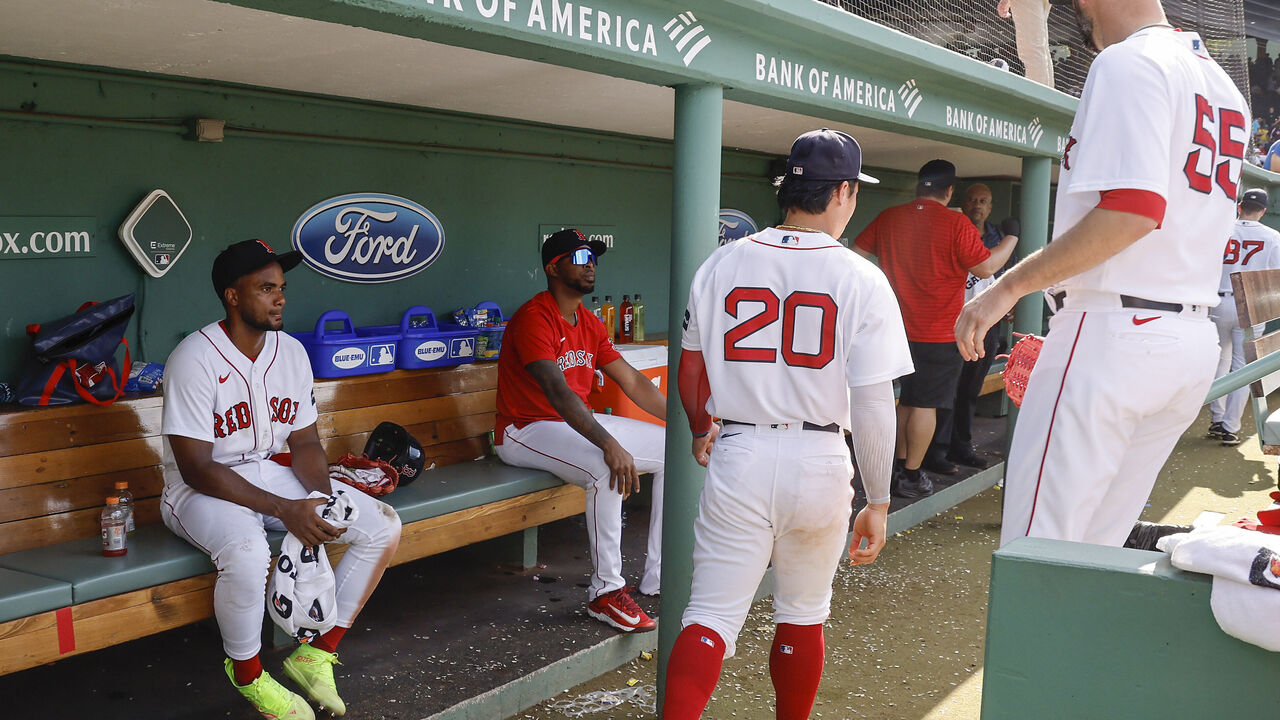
x: 368, y: 237
x: 735, y: 225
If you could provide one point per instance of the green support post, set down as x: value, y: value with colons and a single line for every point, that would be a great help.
x: 1028, y: 314
x: 694, y: 216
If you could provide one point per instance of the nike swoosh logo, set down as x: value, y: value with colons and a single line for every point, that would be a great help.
x: 224, y: 378
x: 729, y: 435
x: 1144, y: 321
x: 629, y: 619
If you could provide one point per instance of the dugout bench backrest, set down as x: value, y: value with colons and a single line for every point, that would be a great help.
x: 1257, y: 296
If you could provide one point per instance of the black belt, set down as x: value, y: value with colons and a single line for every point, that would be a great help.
x: 1224, y: 294
x: 806, y: 425
x: 1130, y: 301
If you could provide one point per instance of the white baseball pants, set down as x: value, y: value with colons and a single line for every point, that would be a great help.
x: 1109, y: 397
x: 1229, y: 409
x: 553, y: 446
x: 780, y: 494
x: 235, y: 539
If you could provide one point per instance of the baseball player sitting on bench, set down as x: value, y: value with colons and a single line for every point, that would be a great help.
x: 790, y: 338
x: 551, y: 351
x: 235, y: 391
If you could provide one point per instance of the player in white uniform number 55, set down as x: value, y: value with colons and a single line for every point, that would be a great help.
x: 1146, y: 194
x: 235, y: 391
x: 783, y: 329
x: 1252, y: 246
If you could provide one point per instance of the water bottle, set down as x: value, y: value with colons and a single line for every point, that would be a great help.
x: 609, y: 314
x: 626, y: 318
x: 114, y: 538
x: 595, y: 307
x: 126, y: 504
x: 637, y: 320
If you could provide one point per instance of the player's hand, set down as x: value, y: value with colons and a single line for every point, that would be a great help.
x: 622, y: 470
x: 702, y: 445
x: 300, y: 518
x: 872, y: 524
x: 1002, y: 8
x: 977, y: 317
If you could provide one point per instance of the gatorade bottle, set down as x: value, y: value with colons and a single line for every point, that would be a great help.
x: 609, y: 314
x: 126, y: 504
x: 114, y: 538
x: 595, y: 306
x: 625, y: 310
x: 637, y: 322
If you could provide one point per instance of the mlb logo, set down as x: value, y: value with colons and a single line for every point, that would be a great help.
x: 161, y: 259
x: 382, y: 355
x: 462, y: 347
x: 1195, y: 44
x: 790, y: 239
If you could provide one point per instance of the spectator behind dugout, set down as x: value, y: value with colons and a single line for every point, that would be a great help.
x: 1272, y: 161
x: 927, y: 251
x: 1031, y: 32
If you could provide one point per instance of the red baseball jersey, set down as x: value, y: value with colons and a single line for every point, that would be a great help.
x: 926, y: 251
x: 538, y: 332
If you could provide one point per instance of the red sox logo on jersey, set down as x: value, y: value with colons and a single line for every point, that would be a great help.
x: 1066, y: 153
x: 239, y: 417
x: 1265, y: 570
x: 575, y: 358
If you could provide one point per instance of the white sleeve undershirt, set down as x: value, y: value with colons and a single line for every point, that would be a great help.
x: 873, y: 427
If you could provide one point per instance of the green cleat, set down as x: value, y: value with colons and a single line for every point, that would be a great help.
x: 270, y: 698
x: 312, y: 669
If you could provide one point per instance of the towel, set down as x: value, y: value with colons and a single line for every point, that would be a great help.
x: 302, y: 590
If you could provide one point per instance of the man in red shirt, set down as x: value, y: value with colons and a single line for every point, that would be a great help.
x: 551, y: 350
x: 927, y: 251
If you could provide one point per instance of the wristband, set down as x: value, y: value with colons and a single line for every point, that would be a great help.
x: 702, y: 434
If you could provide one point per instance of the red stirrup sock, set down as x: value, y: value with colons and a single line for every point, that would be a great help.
x: 692, y: 673
x: 246, y: 671
x: 328, y: 642
x: 795, y: 665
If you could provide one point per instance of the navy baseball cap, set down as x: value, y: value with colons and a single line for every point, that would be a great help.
x: 826, y: 155
x: 1256, y: 196
x: 937, y: 174
x: 240, y: 259
x: 566, y: 241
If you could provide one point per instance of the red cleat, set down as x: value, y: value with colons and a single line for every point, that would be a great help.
x: 618, y: 610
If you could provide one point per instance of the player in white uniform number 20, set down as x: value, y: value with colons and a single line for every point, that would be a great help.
x: 1147, y: 191
x: 783, y: 329
x: 1252, y: 246
x: 235, y: 391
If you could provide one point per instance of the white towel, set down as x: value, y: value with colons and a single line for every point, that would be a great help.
x: 1245, y: 566
x: 301, y: 594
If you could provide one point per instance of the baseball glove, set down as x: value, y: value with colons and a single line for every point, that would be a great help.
x: 372, y: 477
x: 1017, y: 369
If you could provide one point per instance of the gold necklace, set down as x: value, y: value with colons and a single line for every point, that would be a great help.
x: 799, y: 228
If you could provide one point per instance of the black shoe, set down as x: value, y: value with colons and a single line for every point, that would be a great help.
x: 933, y: 462
x: 911, y: 484
x: 966, y: 456
x: 1229, y: 439
x: 1144, y: 535
x: 1216, y: 431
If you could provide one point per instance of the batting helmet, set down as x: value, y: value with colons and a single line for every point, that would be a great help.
x: 391, y: 443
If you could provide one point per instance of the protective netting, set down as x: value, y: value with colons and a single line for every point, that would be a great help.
x: 971, y: 27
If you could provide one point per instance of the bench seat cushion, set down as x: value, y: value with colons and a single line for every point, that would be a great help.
x: 466, y: 485
x: 23, y: 594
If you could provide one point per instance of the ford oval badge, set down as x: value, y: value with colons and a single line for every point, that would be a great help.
x: 368, y: 237
x: 735, y: 225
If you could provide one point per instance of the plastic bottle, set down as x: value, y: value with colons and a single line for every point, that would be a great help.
x: 637, y: 322
x: 625, y: 314
x: 114, y: 537
x: 609, y: 314
x: 126, y: 504
x: 595, y: 306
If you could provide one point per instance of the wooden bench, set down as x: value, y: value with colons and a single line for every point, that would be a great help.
x: 1257, y: 296
x: 59, y: 596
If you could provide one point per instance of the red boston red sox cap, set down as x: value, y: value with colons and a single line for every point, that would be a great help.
x: 240, y: 259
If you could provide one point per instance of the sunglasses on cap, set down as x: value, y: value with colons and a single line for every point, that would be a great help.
x: 581, y: 256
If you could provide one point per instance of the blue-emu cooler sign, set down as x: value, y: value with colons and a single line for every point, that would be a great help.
x: 368, y: 237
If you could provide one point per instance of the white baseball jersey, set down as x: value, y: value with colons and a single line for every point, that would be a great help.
x: 246, y: 408
x: 801, y: 318
x: 1157, y: 114
x: 1252, y: 246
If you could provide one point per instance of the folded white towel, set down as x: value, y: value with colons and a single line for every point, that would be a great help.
x: 302, y: 591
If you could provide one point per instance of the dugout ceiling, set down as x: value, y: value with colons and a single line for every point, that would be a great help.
x: 607, y: 65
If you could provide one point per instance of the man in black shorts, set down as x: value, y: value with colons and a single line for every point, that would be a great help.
x: 927, y: 251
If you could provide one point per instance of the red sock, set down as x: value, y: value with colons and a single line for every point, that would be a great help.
x: 328, y: 642
x: 692, y: 673
x: 246, y: 671
x: 795, y: 665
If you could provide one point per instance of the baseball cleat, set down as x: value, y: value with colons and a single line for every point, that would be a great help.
x: 966, y: 456
x: 270, y: 698
x: 1229, y: 439
x: 618, y: 610
x: 1215, y: 431
x: 911, y: 484
x: 312, y: 669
